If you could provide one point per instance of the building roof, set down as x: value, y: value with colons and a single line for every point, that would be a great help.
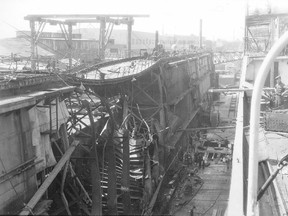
x: 19, y: 46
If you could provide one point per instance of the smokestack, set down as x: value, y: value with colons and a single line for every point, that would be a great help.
x: 200, y: 34
x: 156, y: 39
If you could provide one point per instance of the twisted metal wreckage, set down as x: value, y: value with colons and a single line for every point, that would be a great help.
x: 124, y: 133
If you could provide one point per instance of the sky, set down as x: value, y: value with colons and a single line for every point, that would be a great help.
x: 221, y: 19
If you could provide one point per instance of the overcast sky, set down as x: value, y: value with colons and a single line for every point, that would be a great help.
x: 222, y: 19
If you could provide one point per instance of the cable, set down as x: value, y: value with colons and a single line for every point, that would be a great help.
x: 202, y: 183
x: 211, y: 205
x: 58, y: 75
x: 9, y: 179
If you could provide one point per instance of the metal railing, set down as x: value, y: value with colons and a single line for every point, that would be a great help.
x: 237, y: 205
x: 252, y: 204
x: 243, y: 195
x: 238, y: 189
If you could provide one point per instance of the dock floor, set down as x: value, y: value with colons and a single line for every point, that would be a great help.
x: 212, y: 197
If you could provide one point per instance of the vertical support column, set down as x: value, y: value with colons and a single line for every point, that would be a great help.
x: 129, y: 29
x: 162, y: 157
x: 65, y: 142
x: 125, y: 110
x: 246, y: 30
x: 125, y: 182
x: 148, y: 191
x: 64, y: 137
x: 95, y: 171
x: 23, y: 127
x: 246, y: 39
x: 33, y: 46
x: 200, y: 34
x: 70, y: 44
x: 112, y: 175
x: 102, y: 38
x: 277, y: 30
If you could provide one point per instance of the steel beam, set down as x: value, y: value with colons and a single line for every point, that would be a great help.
x: 102, y: 39
x: 97, y: 20
x: 125, y: 181
x: 162, y: 119
x: 33, y: 45
x: 67, y: 16
x: 236, y: 90
x: 210, y: 128
x: 129, y: 36
x: 70, y: 44
x: 39, y: 32
x: 145, y: 93
x: 95, y: 171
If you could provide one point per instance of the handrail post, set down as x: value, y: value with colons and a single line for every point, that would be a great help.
x: 252, y: 207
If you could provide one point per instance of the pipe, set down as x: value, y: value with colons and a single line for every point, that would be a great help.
x: 208, y: 128
x: 267, y: 182
x: 236, y: 90
x: 39, y: 193
x: 252, y: 209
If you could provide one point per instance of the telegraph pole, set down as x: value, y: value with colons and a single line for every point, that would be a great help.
x: 200, y: 34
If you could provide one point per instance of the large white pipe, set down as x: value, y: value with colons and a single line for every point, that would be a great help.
x: 252, y: 205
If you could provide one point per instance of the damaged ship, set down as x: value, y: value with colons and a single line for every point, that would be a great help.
x: 103, y: 139
x: 150, y: 134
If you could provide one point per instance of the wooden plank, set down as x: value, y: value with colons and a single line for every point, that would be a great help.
x: 15, y: 103
x: 22, y: 101
x: 65, y: 89
x: 38, y: 95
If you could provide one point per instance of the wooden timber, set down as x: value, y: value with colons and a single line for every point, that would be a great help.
x: 17, y: 102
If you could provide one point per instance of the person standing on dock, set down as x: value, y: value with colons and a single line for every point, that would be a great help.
x: 279, y: 90
x: 48, y: 66
x: 228, y: 162
x: 204, y: 160
x: 192, y: 211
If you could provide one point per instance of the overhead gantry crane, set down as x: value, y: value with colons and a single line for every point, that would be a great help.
x: 69, y: 20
